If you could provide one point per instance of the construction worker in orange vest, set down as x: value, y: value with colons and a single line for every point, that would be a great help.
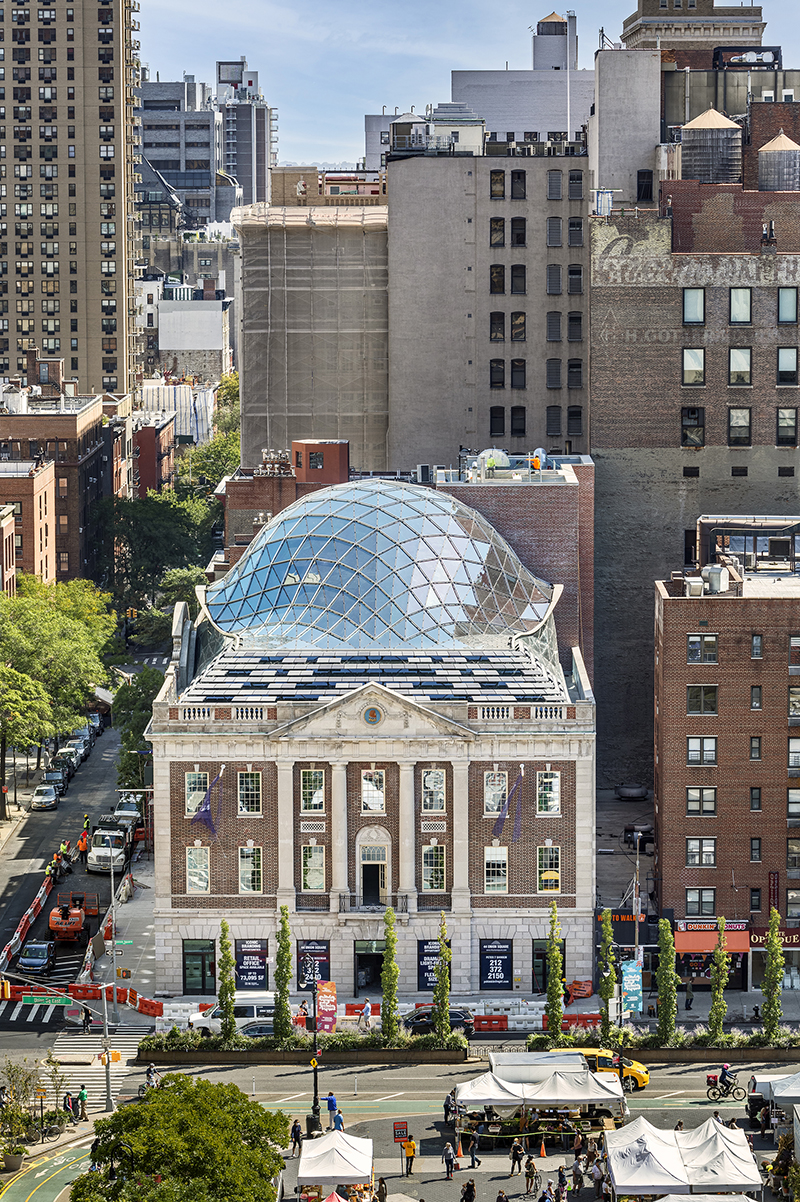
x: 83, y: 847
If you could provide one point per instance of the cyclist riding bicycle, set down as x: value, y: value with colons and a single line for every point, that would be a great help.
x: 152, y: 1076
x: 726, y: 1079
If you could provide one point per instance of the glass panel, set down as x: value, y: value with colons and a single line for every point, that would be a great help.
x: 694, y: 306
x: 433, y: 869
x: 249, y: 792
x: 313, y: 862
x: 548, y: 792
x: 433, y: 789
x: 693, y: 365
x: 196, y: 788
x: 373, y: 791
x: 495, y: 789
x: 495, y: 870
x: 787, y: 305
x: 549, y: 869
x: 740, y: 306
x: 249, y: 869
x: 312, y: 789
x: 739, y: 365
x: 198, y: 870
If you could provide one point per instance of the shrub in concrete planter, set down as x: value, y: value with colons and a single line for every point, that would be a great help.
x: 13, y: 1158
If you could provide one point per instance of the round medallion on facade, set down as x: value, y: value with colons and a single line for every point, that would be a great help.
x: 373, y: 716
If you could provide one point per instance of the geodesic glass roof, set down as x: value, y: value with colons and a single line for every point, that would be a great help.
x: 378, y: 563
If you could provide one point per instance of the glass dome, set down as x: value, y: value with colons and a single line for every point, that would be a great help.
x: 378, y: 563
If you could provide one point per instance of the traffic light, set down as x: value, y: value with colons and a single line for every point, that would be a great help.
x: 132, y: 614
x: 5, y: 989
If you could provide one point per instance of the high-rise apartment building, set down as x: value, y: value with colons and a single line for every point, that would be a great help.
x: 66, y: 273
x: 181, y: 140
x: 248, y: 129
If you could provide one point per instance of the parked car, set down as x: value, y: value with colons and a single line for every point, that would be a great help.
x: 67, y: 755
x: 246, y: 1009
x: 57, y: 777
x: 420, y: 1021
x: 44, y: 798
x: 128, y: 807
x: 80, y: 747
x: 85, y: 732
x: 37, y: 957
x: 96, y: 722
x: 258, y: 1030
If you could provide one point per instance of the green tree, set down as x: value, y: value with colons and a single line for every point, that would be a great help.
x: 282, y: 1019
x: 25, y: 717
x: 667, y: 980
x: 206, y: 465
x: 608, y: 977
x: 228, y: 391
x: 151, y: 627
x: 80, y: 600
x: 720, y: 967
x: 554, y: 1009
x: 226, y: 984
x: 441, y: 990
x: 132, y: 710
x: 229, y: 419
x: 771, y: 985
x: 190, y: 1142
x: 390, y: 974
x: 179, y: 584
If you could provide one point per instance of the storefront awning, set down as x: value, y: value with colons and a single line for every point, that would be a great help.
x: 706, y: 941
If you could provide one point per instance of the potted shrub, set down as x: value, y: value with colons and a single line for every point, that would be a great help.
x: 13, y: 1158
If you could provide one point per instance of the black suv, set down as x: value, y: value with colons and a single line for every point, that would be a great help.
x: 420, y: 1021
x: 57, y: 777
x: 65, y: 764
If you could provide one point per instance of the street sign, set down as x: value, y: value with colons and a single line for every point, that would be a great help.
x: 122, y: 942
x: 400, y: 1132
x: 41, y: 1093
x: 46, y: 1000
x: 313, y: 1063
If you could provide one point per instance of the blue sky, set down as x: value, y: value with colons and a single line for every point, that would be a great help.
x: 324, y: 65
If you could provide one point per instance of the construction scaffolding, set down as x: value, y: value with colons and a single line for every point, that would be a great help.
x: 313, y: 354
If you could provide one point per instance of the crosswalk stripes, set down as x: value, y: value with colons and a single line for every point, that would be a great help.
x: 72, y: 1046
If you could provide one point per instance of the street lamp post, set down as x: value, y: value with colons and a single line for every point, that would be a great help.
x: 126, y: 1150
x: 310, y: 976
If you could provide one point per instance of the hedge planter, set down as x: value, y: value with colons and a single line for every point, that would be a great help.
x: 330, y: 1058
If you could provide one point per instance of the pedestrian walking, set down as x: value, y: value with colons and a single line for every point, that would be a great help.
x: 338, y: 1122
x: 83, y: 1098
x: 516, y: 1153
x: 689, y: 996
x: 366, y: 1016
x: 297, y: 1137
x: 68, y: 1106
x: 83, y: 848
x: 577, y: 1145
x: 87, y: 825
x: 502, y: 1196
x: 469, y: 1191
x: 447, y: 1106
x: 607, y: 1190
x: 474, y: 1144
x: 382, y: 1190
x: 410, y: 1150
x: 764, y: 1120
x: 591, y: 1152
x: 331, y: 1100
x: 597, y: 1178
x: 86, y: 1019
x: 530, y: 1174
x: 448, y: 1160
x: 562, y: 1182
x: 577, y: 1177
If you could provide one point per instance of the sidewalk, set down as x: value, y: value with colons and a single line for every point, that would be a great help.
x: 134, y: 923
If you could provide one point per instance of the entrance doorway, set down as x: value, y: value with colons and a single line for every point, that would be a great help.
x: 199, y: 966
x: 368, y: 966
x: 373, y: 874
x: 540, y: 963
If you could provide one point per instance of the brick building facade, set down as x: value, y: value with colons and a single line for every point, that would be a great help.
x: 154, y: 449
x: 29, y: 486
x: 8, y: 575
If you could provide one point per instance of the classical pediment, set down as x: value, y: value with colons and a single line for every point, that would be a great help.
x: 371, y: 712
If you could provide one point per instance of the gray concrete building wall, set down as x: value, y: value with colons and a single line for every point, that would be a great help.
x: 625, y: 127
x: 313, y: 329
x: 181, y: 138
x: 440, y: 309
x: 526, y: 101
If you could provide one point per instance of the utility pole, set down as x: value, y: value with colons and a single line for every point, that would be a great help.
x: 107, y: 1054
x: 310, y: 974
x: 115, y: 1011
x: 637, y: 905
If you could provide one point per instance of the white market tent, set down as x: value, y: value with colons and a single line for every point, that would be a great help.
x: 489, y: 1090
x: 787, y: 1090
x: 562, y: 1088
x: 643, y: 1159
x: 337, y: 1157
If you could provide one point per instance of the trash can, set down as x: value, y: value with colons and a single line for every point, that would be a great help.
x: 313, y: 1126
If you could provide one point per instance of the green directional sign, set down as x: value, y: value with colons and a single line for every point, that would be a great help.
x: 122, y: 942
x: 46, y: 1000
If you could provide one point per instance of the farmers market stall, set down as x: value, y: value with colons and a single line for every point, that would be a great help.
x: 643, y: 1159
x: 336, y: 1159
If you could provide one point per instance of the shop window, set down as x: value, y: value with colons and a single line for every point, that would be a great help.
x: 196, y: 786
x: 249, y: 792
x: 373, y: 791
x: 198, y: 869
x: 495, y: 870
x: 312, y: 789
x: 495, y: 791
x: 548, y: 792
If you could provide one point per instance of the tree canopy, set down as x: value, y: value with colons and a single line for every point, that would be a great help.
x: 227, y: 417
x: 200, y: 1139
x: 133, y: 708
x: 178, y: 584
x: 212, y: 461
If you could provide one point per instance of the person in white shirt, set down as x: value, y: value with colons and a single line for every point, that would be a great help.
x: 366, y: 1015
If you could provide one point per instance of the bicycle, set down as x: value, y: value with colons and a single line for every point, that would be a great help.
x: 718, y: 1093
x: 37, y: 1133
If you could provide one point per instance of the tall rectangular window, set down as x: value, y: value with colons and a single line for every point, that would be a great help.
x: 694, y: 306
x: 554, y: 185
x: 312, y: 861
x: 739, y: 365
x: 553, y: 421
x: 794, y: 753
x: 740, y: 306
x: 554, y: 327
x: 574, y: 421
x: 495, y: 870
x: 700, y: 903
x: 575, y: 327
x: 249, y: 792
x: 576, y: 185
x: 553, y: 373
x: 701, y: 802
x: 518, y: 286
x: 794, y: 701
x: 497, y: 279
x: 196, y: 785
x: 198, y: 869
x: 787, y: 364
x: 755, y: 901
x: 518, y: 231
x: 433, y: 868
x: 433, y: 789
x: 497, y: 421
x: 548, y: 792
x: 793, y: 903
x: 755, y: 747
x: 786, y: 435
x: 495, y: 791
x: 497, y: 185
x: 497, y: 231
x: 518, y: 185
x: 575, y: 279
x: 755, y: 851
x: 312, y: 789
x: 693, y: 427
x: 497, y: 373
x: 755, y: 799
x: 554, y: 287
x: 787, y: 306
x: 575, y: 232
x: 517, y: 373
x: 250, y: 870
x: 575, y: 373
x: 373, y: 791
x: 644, y: 185
x: 738, y: 427
x: 548, y: 869
x: 756, y: 697
x: 518, y: 327
x: 756, y: 646
x: 694, y: 366
x: 518, y: 421
x: 497, y: 327
x: 701, y: 649
x: 701, y: 751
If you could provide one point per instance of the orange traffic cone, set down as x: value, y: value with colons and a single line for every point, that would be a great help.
x: 459, y: 1153
x: 542, y: 1152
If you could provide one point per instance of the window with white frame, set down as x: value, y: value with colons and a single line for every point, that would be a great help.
x: 433, y: 789
x: 701, y: 852
x: 198, y: 869
x: 495, y: 791
x: 312, y: 789
x: 495, y: 870
x: 700, y: 902
x: 373, y: 791
x: 249, y: 792
x: 433, y: 868
x: 701, y: 801
x: 196, y: 789
x: 548, y: 874
x: 701, y: 751
x: 249, y: 869
x: 548, y: 792
x: 312, y: 859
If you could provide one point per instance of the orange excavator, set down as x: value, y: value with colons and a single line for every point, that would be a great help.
x: 68, y: 917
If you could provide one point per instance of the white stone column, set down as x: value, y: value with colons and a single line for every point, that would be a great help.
x: 286, y: 887
x: 407, y: 849
x: 460, y: 817
x: 338, y: 830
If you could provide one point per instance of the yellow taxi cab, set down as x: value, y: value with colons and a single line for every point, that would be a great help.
x: 603, y: 1060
